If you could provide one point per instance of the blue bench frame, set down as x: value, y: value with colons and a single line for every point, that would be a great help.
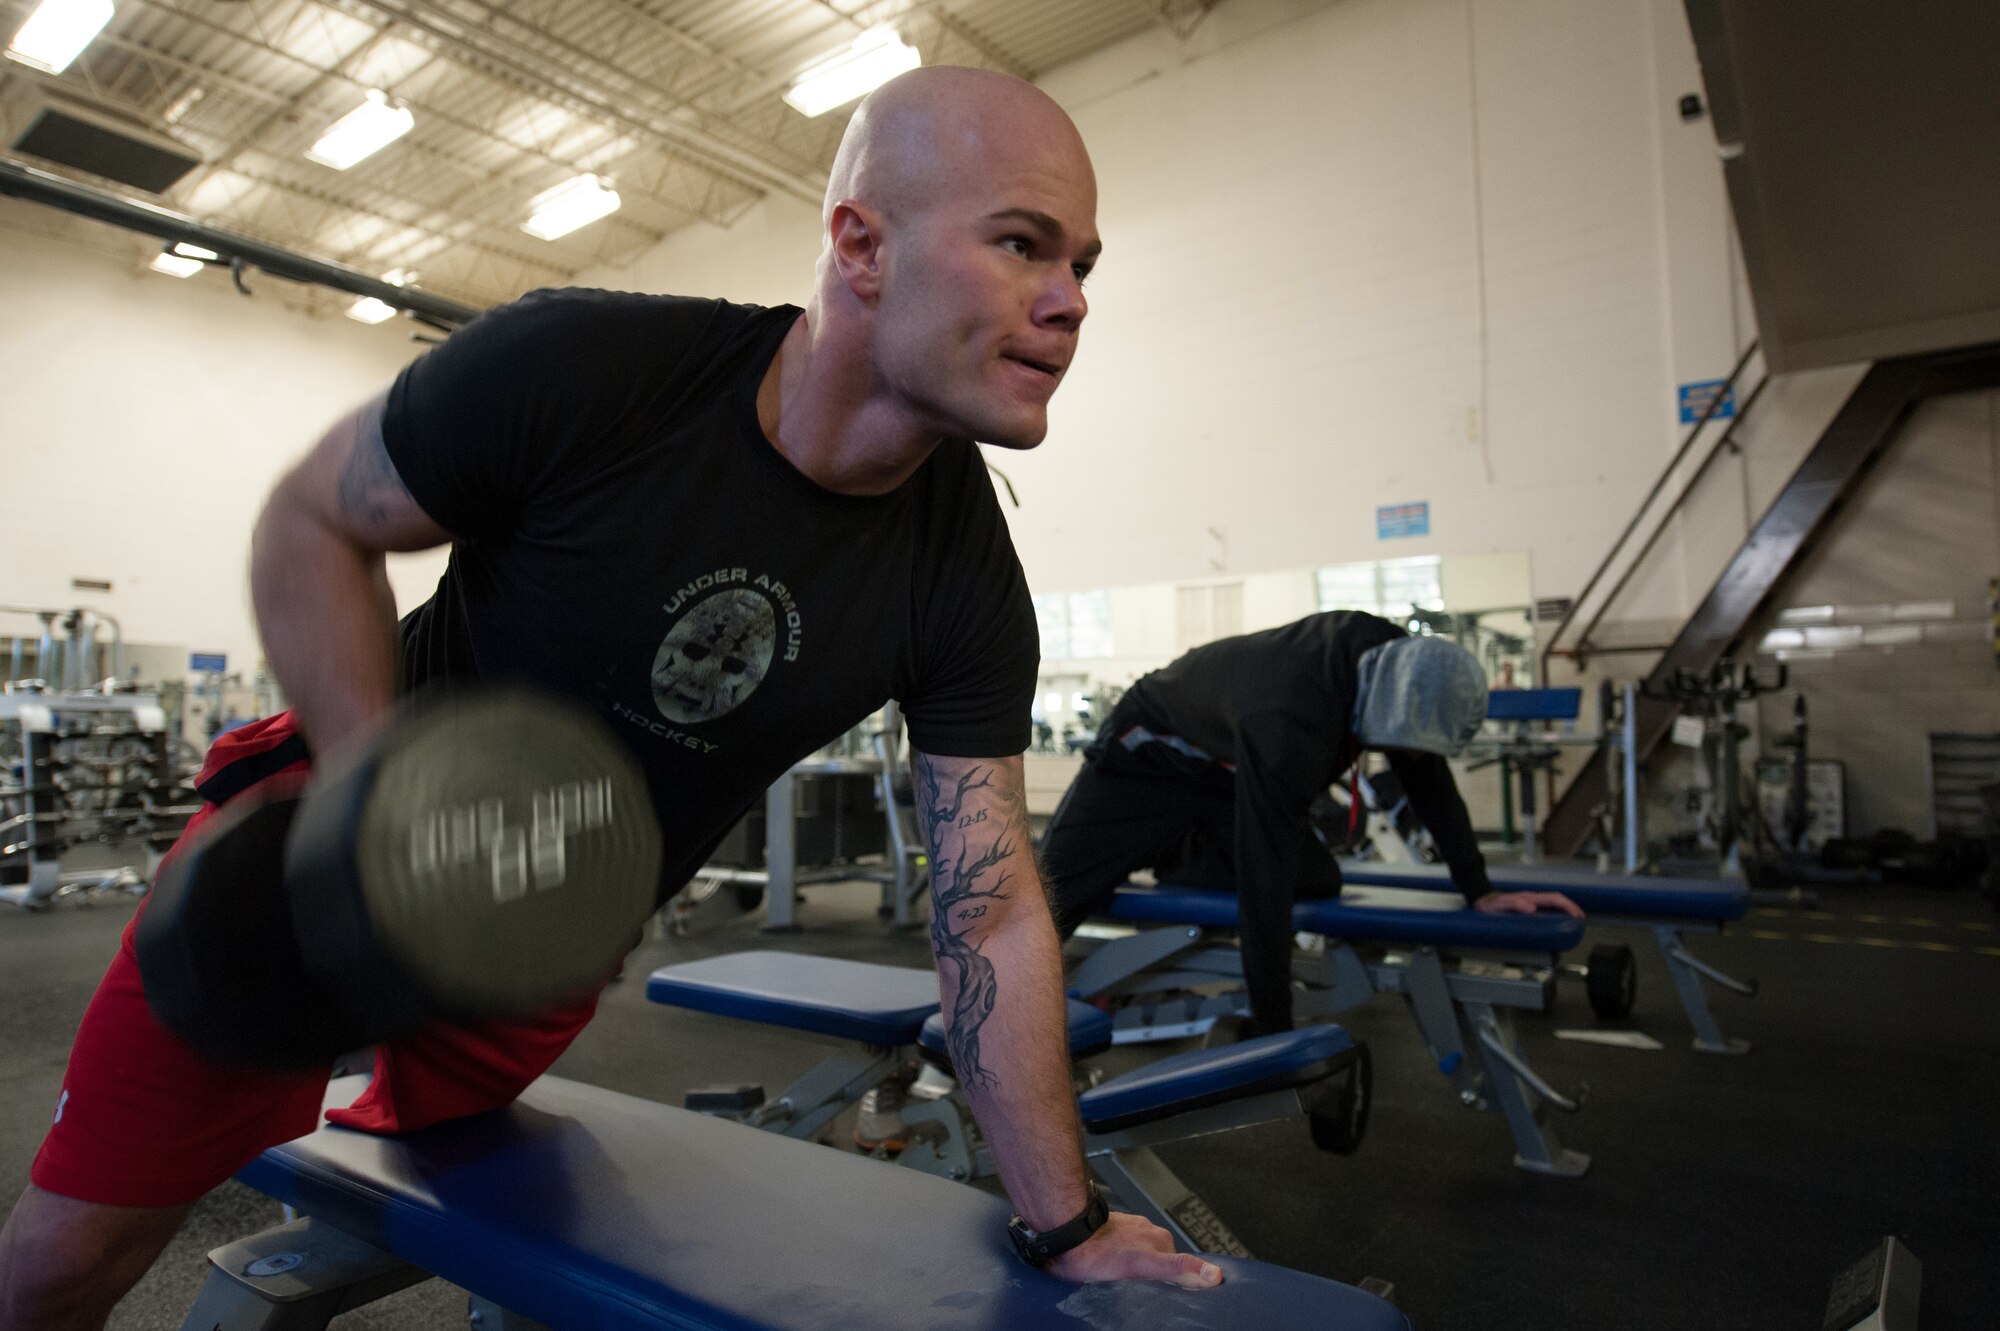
x: 1123, y: 1119
x: 1666, y: 908
x: 1414, y: 946
x: 582, y: 1208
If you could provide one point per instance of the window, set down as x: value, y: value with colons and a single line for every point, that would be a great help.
x: 1207, y: 612
x: 1390, y: 588
x: 1074, y: 625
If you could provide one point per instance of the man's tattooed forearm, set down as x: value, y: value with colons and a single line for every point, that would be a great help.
x: 964, y: 883
x: 942, y: 810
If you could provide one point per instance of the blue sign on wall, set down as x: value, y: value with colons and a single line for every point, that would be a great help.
x: 1695, y: 398
x: 207, y: 663
x: 1393, y: 520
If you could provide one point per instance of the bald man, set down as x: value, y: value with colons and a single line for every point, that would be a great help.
x: 735, y: 532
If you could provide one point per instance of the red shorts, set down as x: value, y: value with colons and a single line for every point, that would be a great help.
x: 145, y: 1121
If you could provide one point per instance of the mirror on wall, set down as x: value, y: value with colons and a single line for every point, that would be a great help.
x: 1097, y: 641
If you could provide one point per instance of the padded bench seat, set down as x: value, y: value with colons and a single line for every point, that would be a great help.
x: 1206, y: 1077
x: 883, y: 1006
x: 1598, y: 893
x: 582, y: 1208
x: 1454, y: 927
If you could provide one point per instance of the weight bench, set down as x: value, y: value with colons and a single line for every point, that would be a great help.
x: 1663, y: 907
x: 580, y: 1208
x: 1181, y: 980
x: 893, y: 1013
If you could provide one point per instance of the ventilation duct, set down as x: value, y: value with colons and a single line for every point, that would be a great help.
x: 85, y: 139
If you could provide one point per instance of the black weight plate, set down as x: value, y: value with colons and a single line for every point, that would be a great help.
x: 1612, y: 981
x: 217, y: 954
x: 504, y: 854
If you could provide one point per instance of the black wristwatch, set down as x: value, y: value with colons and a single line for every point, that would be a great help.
x: 1039, y: 1249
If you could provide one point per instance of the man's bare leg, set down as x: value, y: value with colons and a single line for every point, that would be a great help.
x: 64, y: 1264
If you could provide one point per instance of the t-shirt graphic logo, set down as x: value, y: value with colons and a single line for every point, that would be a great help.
x: 715, y: 657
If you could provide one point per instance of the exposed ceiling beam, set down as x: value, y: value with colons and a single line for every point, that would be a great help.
x: 591, y: 98
x: 1167, y: 15
x: 429, y: 110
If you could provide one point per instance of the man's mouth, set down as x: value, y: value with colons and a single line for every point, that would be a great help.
x: 1049, y: 368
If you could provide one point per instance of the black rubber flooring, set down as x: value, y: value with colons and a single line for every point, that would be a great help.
x: 1726, y: 1192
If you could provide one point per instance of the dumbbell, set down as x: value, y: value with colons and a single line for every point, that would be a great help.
x: 489, y: 854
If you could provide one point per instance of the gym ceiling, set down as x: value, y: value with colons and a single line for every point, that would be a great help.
x: 677, y: 103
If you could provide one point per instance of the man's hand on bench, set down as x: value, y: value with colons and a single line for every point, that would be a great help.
x: 1130, y: 1247
x: 1526, y: 903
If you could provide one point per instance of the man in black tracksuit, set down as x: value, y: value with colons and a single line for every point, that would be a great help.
x: 1231, y: 744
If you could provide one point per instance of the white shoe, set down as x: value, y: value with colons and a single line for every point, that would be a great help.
x: 931, y: 1084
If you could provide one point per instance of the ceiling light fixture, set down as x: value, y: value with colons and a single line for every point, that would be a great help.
x: 876, y: 56
x: 576, y: 202
x: 369, y: 310
x: 362, y: 132
x: 56, y: 33
x: 178, y: 260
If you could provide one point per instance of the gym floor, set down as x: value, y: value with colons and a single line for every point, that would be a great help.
x: 1726, y: 1192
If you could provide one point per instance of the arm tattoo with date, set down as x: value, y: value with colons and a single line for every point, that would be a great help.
x: 970, y: 840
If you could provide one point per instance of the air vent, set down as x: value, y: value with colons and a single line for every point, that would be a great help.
x: 87, y: 140
x: 1550, y: 610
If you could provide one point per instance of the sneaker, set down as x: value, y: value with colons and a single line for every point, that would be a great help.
x: 932, y: 1084
x: 879, y: 1126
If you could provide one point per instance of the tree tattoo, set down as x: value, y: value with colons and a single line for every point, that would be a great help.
x: 965, y: 880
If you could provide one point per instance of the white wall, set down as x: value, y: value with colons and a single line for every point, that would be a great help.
x: 144, y: 419
x: 1358, y: 253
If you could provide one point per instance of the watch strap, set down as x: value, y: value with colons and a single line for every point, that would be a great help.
x: 1039, y: 1248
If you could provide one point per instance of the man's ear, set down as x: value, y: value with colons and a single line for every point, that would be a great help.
x: 855, y: 234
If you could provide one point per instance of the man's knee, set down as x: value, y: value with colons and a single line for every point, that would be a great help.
x: 65, y: 1263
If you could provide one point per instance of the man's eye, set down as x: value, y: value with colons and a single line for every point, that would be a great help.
x: 1082, y: 271
x: 1020, y: 245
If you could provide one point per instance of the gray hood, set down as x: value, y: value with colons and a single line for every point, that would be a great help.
x: 1427, y: 694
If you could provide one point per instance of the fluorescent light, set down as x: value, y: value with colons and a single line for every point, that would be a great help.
x: 178, y: 260
x: 400, y: 277
x: 576, y: 202
x: 875, y: 57
x: 183, y: 104
x: 56, y: 33
x: 369, y: 310
x: 365, y: 130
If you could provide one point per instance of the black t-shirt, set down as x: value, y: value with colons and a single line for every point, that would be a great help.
x: 627, y: 537
x: 1274, y: 710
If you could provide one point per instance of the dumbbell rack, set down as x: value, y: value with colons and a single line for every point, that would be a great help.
x: 36, y: 823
